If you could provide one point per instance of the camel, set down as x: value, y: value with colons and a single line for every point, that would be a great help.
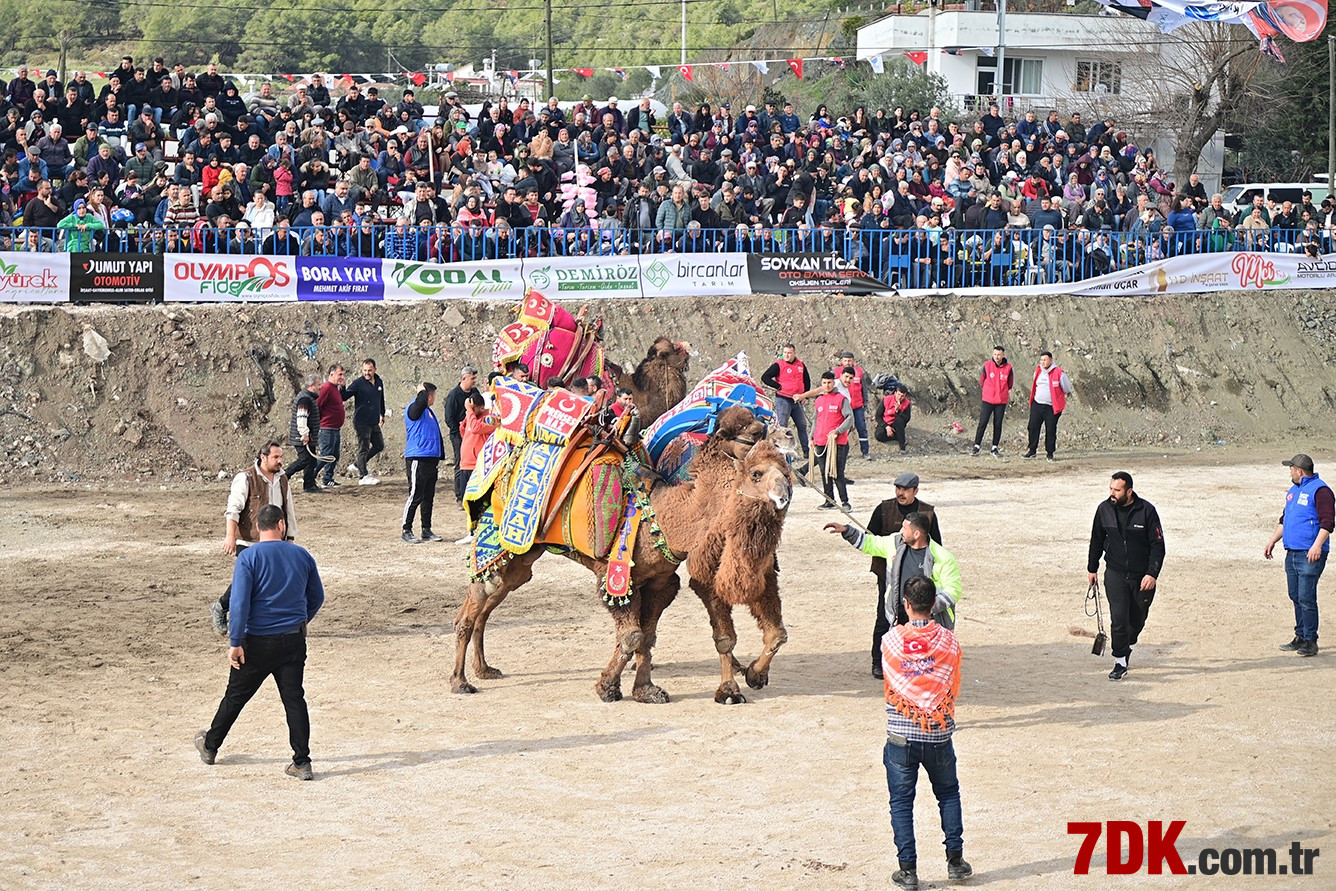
x: 660, y: 380
x: 734, y: 507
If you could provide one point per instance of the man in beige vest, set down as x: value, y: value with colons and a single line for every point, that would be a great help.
x: 264, y: 482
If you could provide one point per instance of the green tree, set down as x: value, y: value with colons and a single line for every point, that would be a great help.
x: 902, y: 84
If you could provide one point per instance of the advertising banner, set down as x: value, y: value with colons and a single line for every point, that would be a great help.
x: 339, y: 278
x: 581, y: 277
x: 116, y: 278
x: 213, y: 278
x: 474, y: 280
x: 694, y: 275
x: 34, y: 278
x: 792, y: 274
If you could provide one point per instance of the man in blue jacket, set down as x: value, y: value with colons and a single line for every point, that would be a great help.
x: 423, y: 451
x: 1305, y: 527
x: 276, y: 591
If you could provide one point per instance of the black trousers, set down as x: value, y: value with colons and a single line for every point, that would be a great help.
x: 305, y: 463
x: 284, y: 657
x: 421, y: 490
x: 895, y: 432
x: 1044, y: 416
x: 994, y: 412
x: 226, y: 599
x: 370, y: 443
x: 841, y: 462
x: 1128, y: 608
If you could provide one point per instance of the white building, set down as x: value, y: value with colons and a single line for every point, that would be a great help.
x: 1094, y: 64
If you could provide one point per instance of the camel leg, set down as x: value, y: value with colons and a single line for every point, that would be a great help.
x: 626, y: 628
x: 480, y: 666
x: 773, y: 634
x: 471, y: 620
x: 725, y: 639
x: 654, y: 599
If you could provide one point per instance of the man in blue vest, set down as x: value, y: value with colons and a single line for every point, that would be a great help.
x: 1305, y: 528
x: 423, y: 451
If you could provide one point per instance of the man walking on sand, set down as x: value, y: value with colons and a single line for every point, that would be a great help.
x: 1305, y: 528
x: 332, y: 415
x: 368, y: 395
x: 276, y: 591
x: 1128, y: 534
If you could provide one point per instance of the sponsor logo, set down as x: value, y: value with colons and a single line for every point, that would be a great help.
x: 1256, y: 271
x: 1319, y: 270
x: 807, y: 263
x: 234, y: 279
x: 119, y: 273
x: 432, y: 280
x: 613, y: 277
x: 658, y: 274
x: 690, y: 273
x: 12, y: 280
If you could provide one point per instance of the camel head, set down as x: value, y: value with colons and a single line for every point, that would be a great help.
x: 764, y: 475
x: 784, y: 439
x: 676, y: 354
x: 737, y: 430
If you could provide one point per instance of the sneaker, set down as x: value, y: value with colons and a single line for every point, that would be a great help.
x: 867, y: 456
x: 847, y: 507
x: 333, y: 484
x: 428, y: 535
x: 410, y: 538
x: 218, y: 617
x: 957, y: 869
x: 905, y: 878
x: 995, y: 452
x: 825, y: 505
x: 1118, y: 671
x: 311, y: 490
x: 1293, y: 645
x: 206, y: 754
x: 351, y: 470
x: 974, y: 453
x: 467, y: 539
x: 1029, y: 454
x: 368, y: 480
x: 300, y: 771
x: 1307, y: 648
x: 1050, y: 459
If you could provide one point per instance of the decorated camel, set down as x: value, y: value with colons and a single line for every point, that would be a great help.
x: 725, y: 521
x: 659, y: 382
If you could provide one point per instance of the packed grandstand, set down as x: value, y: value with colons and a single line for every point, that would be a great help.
x: 160, y: 160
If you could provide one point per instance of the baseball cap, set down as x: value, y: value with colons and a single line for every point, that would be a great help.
x: 1301, y: 461
x: 751, y: 108
x: 140, y: 147
x: 612, y: 100
x: 907, y: 480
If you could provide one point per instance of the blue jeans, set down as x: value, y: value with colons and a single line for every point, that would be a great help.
x: 330, y: 440
x: 1302, y: 577
x: 860, y: 424
x: 786, y: 408
x: 902, y: 764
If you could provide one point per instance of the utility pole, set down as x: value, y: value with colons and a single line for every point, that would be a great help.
x: 1331, y: 112
x: 684, y: 32
x: 1001, y: 53
x: 551, y: 90
x: 64, y: 45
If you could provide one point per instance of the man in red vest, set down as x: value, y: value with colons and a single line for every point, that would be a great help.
x: 996, y: 380
x: 1048, y: 397
x: 789, y: 379
x: 858, y: 390
x: 834, y: 419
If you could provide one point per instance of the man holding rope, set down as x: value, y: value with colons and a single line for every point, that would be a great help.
x: 830, y: 439
x: 911, y: 552
x: 304, y: 433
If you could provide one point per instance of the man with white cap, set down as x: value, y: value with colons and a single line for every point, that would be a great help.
x: 1305, y: 529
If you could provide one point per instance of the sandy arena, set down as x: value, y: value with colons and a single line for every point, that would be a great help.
x: 109, y: 668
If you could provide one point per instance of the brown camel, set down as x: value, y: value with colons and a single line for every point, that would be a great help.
x: 739, y: 476
x: 660, y: 380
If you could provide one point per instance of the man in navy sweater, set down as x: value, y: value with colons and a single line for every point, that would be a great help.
x: 276, y: 591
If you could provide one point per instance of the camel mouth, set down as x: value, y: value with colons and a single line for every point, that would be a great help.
x: 780, y: 501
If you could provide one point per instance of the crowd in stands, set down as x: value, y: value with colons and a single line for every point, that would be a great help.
x: 160, y: 159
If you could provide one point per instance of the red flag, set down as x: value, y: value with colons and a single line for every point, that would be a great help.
x: 725, y: 67
x: 685, y: 71
x: 839, y: 62
x: 450, y: 76
x: 797, y: 66
x: 288, y: 77
x: 917, y: 58
x: 584, y: 72
x: 418, y: 78
x: 345, y: 80
x: 100, y: 73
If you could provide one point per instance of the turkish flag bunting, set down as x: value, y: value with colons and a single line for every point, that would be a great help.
x: 686, y: 71
x: 917, y: 58
x: 797, y: 66
x: 418, y: 78
x: 450, y: 76
x: 584, y: 72
x: 345, y: 80
x: 289, y: 78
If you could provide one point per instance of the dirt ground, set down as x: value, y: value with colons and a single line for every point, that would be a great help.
x: 109, y: 667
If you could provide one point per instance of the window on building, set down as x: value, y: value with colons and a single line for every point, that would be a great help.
x: 1023, y: 77
x: 1099, y: 77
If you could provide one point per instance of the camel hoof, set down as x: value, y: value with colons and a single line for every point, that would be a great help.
x: 729, y: 695
x: 609, y: 694
x: 463, y: 687
x: 488, y: 673
x: 756, y: 679
x: 651, y: 694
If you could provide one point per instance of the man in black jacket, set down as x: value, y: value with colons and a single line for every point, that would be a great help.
x: 1127, y: 532
x: 456, y: 404
x: 368, y: 395
x: 304, y: 433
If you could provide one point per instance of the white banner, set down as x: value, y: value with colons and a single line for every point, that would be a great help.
x: 569, y: 277
x: 219, y: 278
x: 473, y: 280
x: 34, y: 277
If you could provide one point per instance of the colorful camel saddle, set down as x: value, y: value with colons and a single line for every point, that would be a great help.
x: 671, y: 440
x: 552, y: 342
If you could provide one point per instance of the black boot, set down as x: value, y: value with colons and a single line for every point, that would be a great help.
x: 957, y: 869
x: 1293, y: 645
x: 906, y: 876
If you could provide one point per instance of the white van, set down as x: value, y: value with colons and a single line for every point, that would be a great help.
x: 1236, y: 198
